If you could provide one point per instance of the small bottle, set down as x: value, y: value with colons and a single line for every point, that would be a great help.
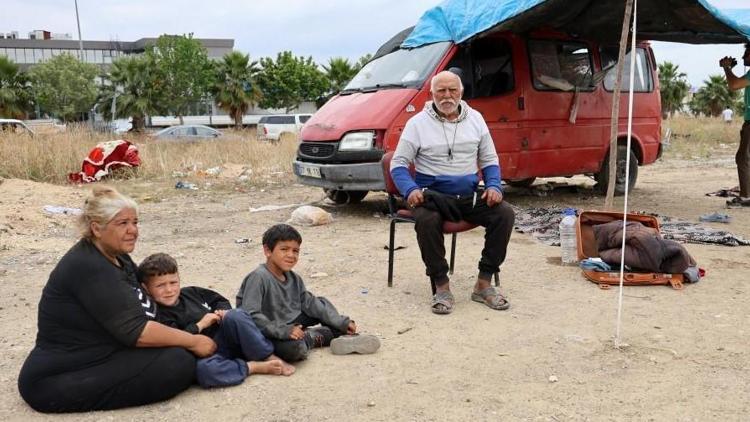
x: 568, y: 245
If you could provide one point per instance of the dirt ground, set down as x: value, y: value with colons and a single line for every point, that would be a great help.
x: 686, y: 357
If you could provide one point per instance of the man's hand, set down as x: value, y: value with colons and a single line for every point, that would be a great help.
x: 492, y: 197
x: 207, y: 321
x: 297, y: 333
x: 202, y: 346
x: 416, y: 198
x: 221, y: 313
x: 351, y: 328
x: 727, y: 62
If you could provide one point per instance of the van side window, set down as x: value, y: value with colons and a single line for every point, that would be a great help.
x: 487, y: 68
x: 643, y: 81
x: 493, y: 67
x: 304, y: 118
x: 560, y: 65
x: 287, y: 120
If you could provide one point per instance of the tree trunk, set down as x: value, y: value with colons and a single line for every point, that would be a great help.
x: 238, y: 119
x: 139, y: 123
x: 182, y: 120
x: 615, y: 123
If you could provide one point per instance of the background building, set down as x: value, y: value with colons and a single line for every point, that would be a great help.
x: 43, y: 45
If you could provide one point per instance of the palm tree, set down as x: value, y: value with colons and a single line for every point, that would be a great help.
x: 363, y: 61
x: 15, y: 92
x: 133, y: 84
x: 235, y: 90
x: 339, y: 72
x: 673, y: 88
x: 714, y: 97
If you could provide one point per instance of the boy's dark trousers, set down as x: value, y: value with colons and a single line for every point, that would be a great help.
x: 296, y: 350
x: 238, y: 341
x: 498, y: 222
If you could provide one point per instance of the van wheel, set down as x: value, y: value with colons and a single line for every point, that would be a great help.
x: 345, y: 196
x: 602, y: 178
x: 523, y: 183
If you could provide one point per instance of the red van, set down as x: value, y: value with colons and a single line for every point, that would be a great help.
x: 546, y: 98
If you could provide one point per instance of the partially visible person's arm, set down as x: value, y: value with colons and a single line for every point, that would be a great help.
x: 159, y: 335
x: 320, y: 308
x: 733, y: 81
x: 406, y: 152
x: 114, y: 305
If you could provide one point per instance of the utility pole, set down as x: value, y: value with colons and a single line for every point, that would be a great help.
x: 80, y: 40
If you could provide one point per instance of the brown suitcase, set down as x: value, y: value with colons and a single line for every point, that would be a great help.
x: 587, y: 248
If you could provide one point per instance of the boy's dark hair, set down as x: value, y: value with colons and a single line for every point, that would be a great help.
x: 278, y: 233
x: 155, y: 265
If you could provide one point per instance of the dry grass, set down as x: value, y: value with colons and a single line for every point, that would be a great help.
x: 50, y: 157
x: 702, y: 137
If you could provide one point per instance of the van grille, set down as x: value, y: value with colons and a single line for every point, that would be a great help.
x: 317, y: 149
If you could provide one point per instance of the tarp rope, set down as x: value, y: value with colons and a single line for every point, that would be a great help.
x: 633, y: 59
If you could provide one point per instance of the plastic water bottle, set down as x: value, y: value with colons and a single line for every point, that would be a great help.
x: 568, y: 246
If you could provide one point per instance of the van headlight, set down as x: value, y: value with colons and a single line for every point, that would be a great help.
x: 357, y: 141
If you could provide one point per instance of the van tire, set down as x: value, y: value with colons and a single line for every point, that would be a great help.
x: 523, y: 183
x: 602, y: 178
x: 345, y: 196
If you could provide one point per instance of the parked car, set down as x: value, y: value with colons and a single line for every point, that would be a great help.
x: 15, y: 126
x: 187, y: 132
x: 270, y: 128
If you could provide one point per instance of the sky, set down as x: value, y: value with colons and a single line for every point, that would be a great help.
x: 321, y: 29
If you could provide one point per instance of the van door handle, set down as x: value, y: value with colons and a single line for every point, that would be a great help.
x: 503, y: 119
x: 525, y: 143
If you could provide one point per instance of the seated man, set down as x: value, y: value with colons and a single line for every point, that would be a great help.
x: 449, y: 142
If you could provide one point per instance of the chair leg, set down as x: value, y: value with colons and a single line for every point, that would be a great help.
x: 497, y: 279
x: 391, y: 247
x: 434, y: 289
x: 453, y: 254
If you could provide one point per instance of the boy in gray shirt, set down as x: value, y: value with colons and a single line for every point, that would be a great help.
x: 288, y: 314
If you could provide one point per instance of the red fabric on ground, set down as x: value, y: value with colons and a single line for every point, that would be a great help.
x: 105, y: 157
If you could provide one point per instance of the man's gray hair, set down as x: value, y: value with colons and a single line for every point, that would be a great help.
x: 444, y: 73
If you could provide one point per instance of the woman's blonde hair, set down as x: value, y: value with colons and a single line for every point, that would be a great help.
x: 101, y: 207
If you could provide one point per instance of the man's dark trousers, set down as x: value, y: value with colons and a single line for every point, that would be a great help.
x: 498, y: 222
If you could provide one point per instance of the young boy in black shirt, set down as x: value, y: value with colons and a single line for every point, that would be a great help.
x: 283, y: 309
x: 241, y: 347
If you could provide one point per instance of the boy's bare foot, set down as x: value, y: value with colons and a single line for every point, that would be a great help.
x: 270, y: 367
x: 287, y: 369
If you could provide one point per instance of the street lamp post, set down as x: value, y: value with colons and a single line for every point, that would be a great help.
x: 80, y: 40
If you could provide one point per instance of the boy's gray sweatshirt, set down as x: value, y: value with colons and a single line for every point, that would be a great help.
x: 274, y: 304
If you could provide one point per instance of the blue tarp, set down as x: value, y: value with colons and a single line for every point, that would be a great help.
x: 687, y: 21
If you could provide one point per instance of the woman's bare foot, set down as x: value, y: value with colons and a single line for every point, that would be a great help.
x: 270, y: 367
x: 287, y: 369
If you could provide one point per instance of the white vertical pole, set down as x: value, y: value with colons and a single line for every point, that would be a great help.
x: 80, y: 40
x: 633, y: 58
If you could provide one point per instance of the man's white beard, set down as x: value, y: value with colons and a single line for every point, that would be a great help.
x: 448, y: 107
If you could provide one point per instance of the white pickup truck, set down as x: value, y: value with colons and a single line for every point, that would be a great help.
x: 270, y: 128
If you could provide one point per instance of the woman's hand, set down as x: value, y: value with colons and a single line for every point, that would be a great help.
x: 202, y: 346
x: 351, y: 328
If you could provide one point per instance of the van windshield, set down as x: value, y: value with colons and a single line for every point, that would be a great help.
x: 400, y: 69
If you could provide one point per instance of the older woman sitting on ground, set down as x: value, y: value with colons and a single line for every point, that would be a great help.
x: 96, y: 347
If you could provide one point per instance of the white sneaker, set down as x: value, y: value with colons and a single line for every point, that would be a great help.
x: 364, y: 344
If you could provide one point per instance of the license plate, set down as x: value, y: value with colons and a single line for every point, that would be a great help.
x: 310, y: 171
